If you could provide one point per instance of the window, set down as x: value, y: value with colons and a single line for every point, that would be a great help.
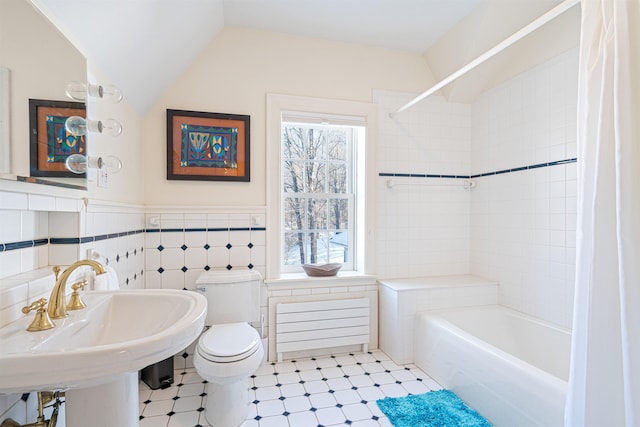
x: 320, y: 177
x: 318, y: 191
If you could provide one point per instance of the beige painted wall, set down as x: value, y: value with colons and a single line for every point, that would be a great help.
x: 126, y: 185
x: 234, y: 74
x: 41, y: 62
x: 42, y: 70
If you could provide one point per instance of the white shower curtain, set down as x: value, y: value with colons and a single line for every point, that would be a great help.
x: 604, y: 383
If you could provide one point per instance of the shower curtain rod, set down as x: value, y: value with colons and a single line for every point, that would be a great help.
x: 531, y: 27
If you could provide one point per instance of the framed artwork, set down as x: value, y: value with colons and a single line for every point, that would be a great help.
x: 207, y: 146
x: 49, y: 142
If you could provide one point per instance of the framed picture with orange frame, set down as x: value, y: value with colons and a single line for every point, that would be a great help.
x: 205, y: 146
x: 49, y: 142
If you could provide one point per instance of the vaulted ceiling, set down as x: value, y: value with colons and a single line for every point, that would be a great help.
x: 144, y: 45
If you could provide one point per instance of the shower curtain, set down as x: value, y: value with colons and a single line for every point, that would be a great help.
x: 604, y: 382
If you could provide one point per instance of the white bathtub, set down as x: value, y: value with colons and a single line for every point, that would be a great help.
x: 510, y: 367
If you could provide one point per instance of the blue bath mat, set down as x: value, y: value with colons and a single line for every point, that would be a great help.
x: 440, y: 408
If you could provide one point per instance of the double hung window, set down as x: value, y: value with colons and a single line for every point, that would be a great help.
x: 318, y: 191
x: 320, y: 181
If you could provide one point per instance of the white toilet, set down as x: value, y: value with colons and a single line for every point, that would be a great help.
x: 230, y: 351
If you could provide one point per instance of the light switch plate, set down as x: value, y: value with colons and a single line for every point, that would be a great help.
x: 103, y: 178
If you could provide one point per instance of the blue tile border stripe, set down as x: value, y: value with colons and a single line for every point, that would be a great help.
x: 5, y: 247
x: 23, y: 244
x: 89, y: 239
x: 522, y: 168
x: 479, y: 175
x: 188, y: 230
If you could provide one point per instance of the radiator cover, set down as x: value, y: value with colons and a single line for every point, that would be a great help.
x: 322, y: 324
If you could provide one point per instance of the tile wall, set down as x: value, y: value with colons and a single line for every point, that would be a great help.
x: 162, y: 249
x: 517, y: 143
x: 39, y: 231
x: 523, y: 221
x: 179, y: 246
x: 24, y: 248
x: 422, y: 223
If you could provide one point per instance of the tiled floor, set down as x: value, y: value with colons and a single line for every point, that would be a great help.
x: 339, y: 390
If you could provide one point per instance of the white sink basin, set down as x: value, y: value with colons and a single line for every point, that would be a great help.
x: 118, y: 332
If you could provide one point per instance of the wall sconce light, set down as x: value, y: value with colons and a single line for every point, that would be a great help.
x: 79, y: 126
x: 80, y: 90
x: 79, y: 163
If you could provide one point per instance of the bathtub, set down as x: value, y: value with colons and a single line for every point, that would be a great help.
x: 510, y: 367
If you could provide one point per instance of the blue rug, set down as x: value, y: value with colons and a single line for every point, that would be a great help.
x: 440, y: 408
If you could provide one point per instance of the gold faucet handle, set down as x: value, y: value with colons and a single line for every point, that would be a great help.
x: 41, y: 322
x: 76, y: 303
x: 36, y: 305
x: 79, y: 285
x: 56, y: 271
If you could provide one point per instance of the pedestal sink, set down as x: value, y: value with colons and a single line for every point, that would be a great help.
x: 94, y: 354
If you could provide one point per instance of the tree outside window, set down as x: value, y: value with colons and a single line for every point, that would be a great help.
x: 317, y: 176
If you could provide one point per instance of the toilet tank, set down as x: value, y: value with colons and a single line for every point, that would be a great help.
x: 232, y: 296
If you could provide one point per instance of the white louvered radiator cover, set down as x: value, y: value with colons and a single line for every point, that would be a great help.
x: 322, y: 324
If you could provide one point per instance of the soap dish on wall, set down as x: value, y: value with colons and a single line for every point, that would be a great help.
x: 321, y: 270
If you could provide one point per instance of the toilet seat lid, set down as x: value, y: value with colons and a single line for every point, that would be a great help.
x: 229, y: 342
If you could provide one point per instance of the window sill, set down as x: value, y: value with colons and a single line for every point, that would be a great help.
x: 302, y: 281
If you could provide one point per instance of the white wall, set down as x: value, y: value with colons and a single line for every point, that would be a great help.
x: 516, y: 227
x: 523, y: 223
x: 422, y: 224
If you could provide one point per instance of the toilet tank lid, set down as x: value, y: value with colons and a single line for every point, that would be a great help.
x: 227, y: 276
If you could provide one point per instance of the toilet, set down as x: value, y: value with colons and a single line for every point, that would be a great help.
x: 230, y: 351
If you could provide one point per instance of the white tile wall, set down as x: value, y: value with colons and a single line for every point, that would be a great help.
x: 186, y: 244
x: 528, y: 120
x: 21, y: 226
x: 432, y: 137
x: 523, y: 223
x: 25, y: 217
x: 25, y: 274
x: 517, y: 228
x: 422, y: 224
x: 117, y: 233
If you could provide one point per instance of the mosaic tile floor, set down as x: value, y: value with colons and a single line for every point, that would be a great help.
x: 338, y: 390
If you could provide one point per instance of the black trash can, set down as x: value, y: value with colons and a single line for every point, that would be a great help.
x: 159, y: 375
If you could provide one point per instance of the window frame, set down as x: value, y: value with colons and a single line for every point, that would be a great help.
x: 279, y: 106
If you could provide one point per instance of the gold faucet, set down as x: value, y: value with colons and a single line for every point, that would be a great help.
x: 57, y: 304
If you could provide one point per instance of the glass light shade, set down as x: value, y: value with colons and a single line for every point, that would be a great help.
x: 76, y: 91
x: 112, y: 164
x: 80, y: 90
x: 78, y: 163
x: 78, y: 126
x: 110, y: 126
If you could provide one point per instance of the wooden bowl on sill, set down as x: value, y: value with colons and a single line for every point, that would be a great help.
x: 321, y: 270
